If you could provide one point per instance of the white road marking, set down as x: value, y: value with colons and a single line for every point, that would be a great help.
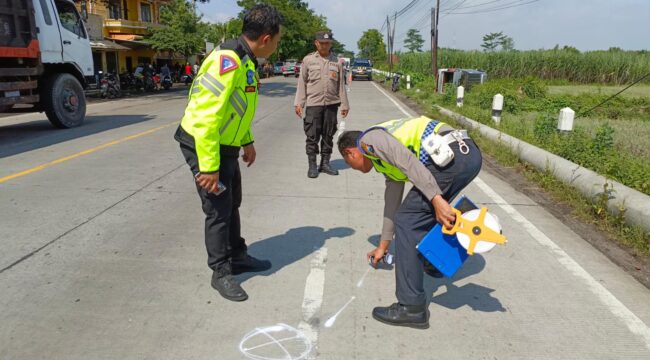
x: 633, y: 323
x: 313, y: 298
x: 391, y: 99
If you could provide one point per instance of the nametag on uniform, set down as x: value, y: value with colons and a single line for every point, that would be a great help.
x: 251, y: 89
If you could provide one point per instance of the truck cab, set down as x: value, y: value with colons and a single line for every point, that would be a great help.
x: 45, y: 59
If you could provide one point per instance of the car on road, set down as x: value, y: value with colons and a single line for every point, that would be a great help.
x: 361, y: 68
x: 297, y: 69
x: 289, y: 67
x: 277, y: 68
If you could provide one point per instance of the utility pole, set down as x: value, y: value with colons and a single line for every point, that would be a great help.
x: 388, y: 42
x: 392, y: 39
x: 434, y: 41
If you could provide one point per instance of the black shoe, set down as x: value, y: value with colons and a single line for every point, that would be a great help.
x: 415, y: 316
x: 249, y: 264
x: 313, y: 168
x: 431, y: 270
x: 227, y: 286
x: 325, y: 165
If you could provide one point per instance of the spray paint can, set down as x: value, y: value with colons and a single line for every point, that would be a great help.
x: 387, y: 258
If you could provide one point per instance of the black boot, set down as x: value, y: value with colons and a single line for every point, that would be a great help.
x: 313, y: 168
x: 226, y: 285
x: 325, y: 165
x: 415, y: 316
x: 248, y: 263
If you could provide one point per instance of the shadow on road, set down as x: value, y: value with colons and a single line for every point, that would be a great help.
x: 339, y: 164
x: 277, y: 89
x: 291, y: 246
x: 22, y: 137
x: 477, y: 297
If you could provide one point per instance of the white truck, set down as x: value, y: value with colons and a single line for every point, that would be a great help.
x: 45, y: 59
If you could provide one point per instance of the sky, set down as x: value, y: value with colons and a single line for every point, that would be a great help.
x: 540, y: 24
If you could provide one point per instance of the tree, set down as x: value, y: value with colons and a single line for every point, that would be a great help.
x: 217, y: 33
x: 183, y: 31
x: 371, y: 45
x: 493, y: 40
x: 507, y: 43
x: 300, y: 25
x: 413, y: 41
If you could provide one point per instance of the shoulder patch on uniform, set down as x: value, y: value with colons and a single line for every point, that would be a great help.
x: 227, y: 63
x: 368, y: 149
x: 250, y: 77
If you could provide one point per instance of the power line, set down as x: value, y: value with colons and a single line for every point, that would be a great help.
x: 501, y: 7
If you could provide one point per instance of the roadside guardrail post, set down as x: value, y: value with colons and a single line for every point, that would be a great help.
x: 497, y: 107
x: 565, y: 121
x: 460, y: 95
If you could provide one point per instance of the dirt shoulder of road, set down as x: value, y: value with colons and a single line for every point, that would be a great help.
x: 638, y: 267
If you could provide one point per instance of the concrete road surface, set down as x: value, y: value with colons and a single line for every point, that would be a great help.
x: 102, y: 255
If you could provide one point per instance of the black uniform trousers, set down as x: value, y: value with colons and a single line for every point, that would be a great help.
x: 223, y: 239
x: 416, y: 217
x: 320, y: 124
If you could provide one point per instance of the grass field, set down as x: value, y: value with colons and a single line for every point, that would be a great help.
x: 638, y: 90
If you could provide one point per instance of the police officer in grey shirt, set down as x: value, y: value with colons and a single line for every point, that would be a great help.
x: 395, y: 148
x: 321, y: 90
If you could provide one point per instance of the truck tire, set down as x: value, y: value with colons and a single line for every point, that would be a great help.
x: 64, y: 101
x: 5, y: 108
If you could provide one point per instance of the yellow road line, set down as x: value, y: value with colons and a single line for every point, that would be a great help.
x: 82, y: 153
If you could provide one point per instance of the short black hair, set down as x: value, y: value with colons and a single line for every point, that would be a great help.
x: 348, y: 140
x: 261, y: 19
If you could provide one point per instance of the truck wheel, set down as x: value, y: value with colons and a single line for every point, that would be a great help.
x: 64, y: 101
x: 5, y: 108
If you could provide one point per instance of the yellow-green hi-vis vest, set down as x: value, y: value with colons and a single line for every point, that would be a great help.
x: 221, y: 106
x: 407, y: 131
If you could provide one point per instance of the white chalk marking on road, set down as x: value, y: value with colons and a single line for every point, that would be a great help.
x: 633, y: 323
x: 295, y: 346
x: 360, y: 283
x: 332, y: 319
x: 391, y: 99
x: 313, y: 298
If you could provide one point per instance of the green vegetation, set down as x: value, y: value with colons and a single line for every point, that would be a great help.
x: 563, y: 66
x: 593, y: 211
x: 611, y: 141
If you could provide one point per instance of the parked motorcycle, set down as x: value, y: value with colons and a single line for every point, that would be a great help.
x: 395, y: 84
x: 166, y: 82
x: 109, y: 87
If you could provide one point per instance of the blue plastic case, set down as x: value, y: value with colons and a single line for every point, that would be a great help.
x: 444, y: 251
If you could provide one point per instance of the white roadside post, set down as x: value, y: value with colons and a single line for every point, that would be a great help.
x: 460, y: 95
x: 408, y: 82
x: 497, y: 107
x: 565, y: 121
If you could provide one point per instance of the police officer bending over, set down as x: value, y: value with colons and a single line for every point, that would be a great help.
x: 397, y: 149
x: 216, y: 125
x: 321, y: 89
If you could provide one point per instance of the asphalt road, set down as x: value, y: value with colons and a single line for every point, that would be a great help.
x: 102, y: 255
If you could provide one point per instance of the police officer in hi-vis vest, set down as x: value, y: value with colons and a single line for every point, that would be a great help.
x: 440, y: 161
x: 320, y: 92
x: 216, y: 125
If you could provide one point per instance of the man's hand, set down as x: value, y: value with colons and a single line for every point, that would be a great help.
x: 444, y: 213
x: 210, y: 182
x: 249, y: 154
x: 345, y: 112
x: 299, y: 111
x: 379, y: 252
